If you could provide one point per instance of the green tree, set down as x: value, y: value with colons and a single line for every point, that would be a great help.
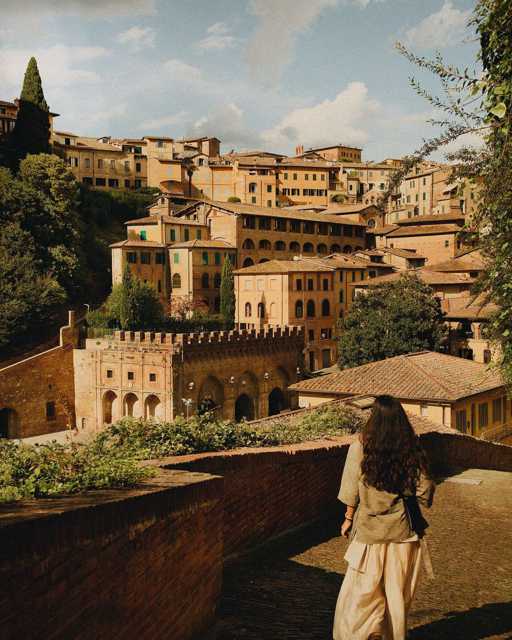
x: 479, y: 101
x: 227, y: 294
x: 134, y: 305
x: 28, y: 296
x: 31, y: 132
x: 391, y: 319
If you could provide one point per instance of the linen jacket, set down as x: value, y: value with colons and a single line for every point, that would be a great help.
x: 380, y: 516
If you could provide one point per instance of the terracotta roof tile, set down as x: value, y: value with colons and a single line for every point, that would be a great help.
x: 418, y: 376
x: 424, y: 230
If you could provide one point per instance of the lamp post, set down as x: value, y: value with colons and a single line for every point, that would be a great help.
x: 187, y: 402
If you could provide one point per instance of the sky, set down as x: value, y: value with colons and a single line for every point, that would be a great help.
x: 257, y: 74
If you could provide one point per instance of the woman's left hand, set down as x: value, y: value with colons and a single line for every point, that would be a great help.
x: 345, y: 528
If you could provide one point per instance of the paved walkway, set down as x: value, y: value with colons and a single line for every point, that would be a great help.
x: 288, y: 590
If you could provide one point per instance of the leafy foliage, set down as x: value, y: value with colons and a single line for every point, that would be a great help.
x: 227, y: 294
x: 31, y: 132
x: 150, y: 439
x: 480, y: 101
x: 391, y: 319
x: 48, y: 470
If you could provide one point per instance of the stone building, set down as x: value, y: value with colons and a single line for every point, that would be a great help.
x: 454, y: 392
x: 238, y: 374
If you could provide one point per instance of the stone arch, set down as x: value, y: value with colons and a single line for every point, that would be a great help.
x: 244, y: 407
x: 276, y: 401
x: 308, y: 247
x: 265, y: 245
x: 248, y: 310
x: 279, y: 245
x: 248, y: 262
x: 109, y: 407
x: 263, y: 260
x: 176, y: 281
x: 335, y: 248
x: 9, y: 423
x: 322, y: 248
x: 131, y: 405
x: 211, y: 395
x: 248, y: 244
x: 295, y: 246
x: 152, y: 407
x: 347, y: 249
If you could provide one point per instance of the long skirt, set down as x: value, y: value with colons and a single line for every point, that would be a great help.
x: 378, y: 589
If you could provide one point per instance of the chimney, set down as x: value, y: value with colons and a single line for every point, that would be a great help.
x: 299, y: 149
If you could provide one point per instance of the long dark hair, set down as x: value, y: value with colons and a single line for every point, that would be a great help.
x: 393, y: 457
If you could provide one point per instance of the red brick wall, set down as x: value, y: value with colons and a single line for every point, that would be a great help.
x: 143, y: 564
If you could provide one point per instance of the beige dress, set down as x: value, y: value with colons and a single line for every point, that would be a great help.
x: 384, y: 558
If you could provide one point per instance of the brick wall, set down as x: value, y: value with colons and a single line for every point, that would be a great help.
x: 143, y: 563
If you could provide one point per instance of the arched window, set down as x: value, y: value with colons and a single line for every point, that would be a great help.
x: 205, y: 257
x: 216, y: 281
x: 248, y: 310
x: 261, y: 309
x: 299, y: 309
x: 326, y: 308
x: 248, y: 262
x: 347, y: 249
x: 308, y: 247
x: 335, y: 248
x: 176, y: 281
x: 310, y: 309
x: 252, y: 187
x: 280, y: 246
x: 205, y: 281
x: 371, y: 223
x: 248, y: 244
x: 295, y: 246
x: 265, y: 244
x: 322, y: 248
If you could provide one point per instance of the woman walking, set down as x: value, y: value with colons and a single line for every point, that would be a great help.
x: 384, y: 478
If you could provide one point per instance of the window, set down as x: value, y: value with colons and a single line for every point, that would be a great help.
x: 100, y: 182
x: 198, y: 234
x: 295, y: 177
x: 325, y: 284
x: 310, y: 309
x: 298, y: 285
x: 205, y: 257
x: 172, y: 235
x: 186, y: 234
x: 342, y: 297
x: 299, y: 309
x: 261, y: 310
x: 127, y: 184
x: 496, y: 410
x: 112, y: 164
x: 159, y: 257
x: 424, y: 409
x: 353, y: 276
x: 446, y: 243
x: 131, y: 257
x: 341, y: 276
x: 248, y: 310
x: 269, y: 203
x: 460, y: 420
x: 113, y: 182
x: 87, y: 163
x: 66, y: 140
x: 269, y: 188
x: 100, y: 163
x: 152, y: 377
x: 176, y: 281
x: 217, y: 258
x: 314, y: 176
x: 217, y: 280
x: 145, y: 257
x: 143, y: 235
x: 176, y: 258
x: 110, y: 373
x: 252, y: 187
x: 159, y: 286
x: 138, y: 184
x: 131, y: 375
x: 295, y: 226
x: 87, y: 181
x: 200, y: 162
x: 253, y: 199
x: 326, y: 308
x: 138, y: 167
x: 483, y: 415
x: 311, y: 284
x: 311, y: 335
x: 205, y: 281
x: 50, y: 411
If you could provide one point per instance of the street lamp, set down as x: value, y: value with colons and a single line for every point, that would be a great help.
x: 187, y: 402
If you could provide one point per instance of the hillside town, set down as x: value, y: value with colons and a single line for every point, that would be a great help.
x: 255, y: 324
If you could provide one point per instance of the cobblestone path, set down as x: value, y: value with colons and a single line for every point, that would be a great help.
x: 287, y: 590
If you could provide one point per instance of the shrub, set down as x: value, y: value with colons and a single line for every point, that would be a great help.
x: 234, y: 199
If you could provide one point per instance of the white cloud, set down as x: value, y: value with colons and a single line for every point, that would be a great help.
x: 218, y: 37
x: 186, y: 77
x: 443, y: 28
x: 59, y: 66
x: 137, y: 38
x: 155, y: 124
x: 270, y: 48
x: 227, y: 123
x: 344, y: 119
x: 85, y: 8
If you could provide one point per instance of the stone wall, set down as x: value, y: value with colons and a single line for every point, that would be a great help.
x: 37, y: 395
x: 143, y: 563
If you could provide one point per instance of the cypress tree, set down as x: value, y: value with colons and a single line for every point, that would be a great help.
x: 126, y: 300
x: 227, y: 294
x: 31, y: 132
